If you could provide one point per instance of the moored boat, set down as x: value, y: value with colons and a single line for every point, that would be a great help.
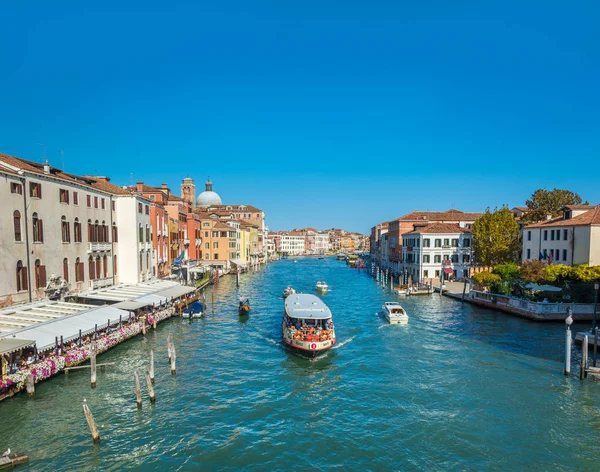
x: 288, y: 291
x: 322, y: 287
x: 307, y: 324
x: 195, y: 310
x: 394, y: 313
x: 9, y: 461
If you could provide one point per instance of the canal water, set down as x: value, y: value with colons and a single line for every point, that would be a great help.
x: 458, y: 388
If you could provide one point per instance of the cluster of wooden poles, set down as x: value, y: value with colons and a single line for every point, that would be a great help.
x: 148, y: 375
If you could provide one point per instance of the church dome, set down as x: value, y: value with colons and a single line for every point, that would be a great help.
x: 208, y: 197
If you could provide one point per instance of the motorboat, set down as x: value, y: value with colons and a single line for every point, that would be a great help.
x: 322, y: 287
x: 394, y: 313
x: 295, y: 261
x: 307, y: 324
x: 288, y: 291
x: 195, y: 310
x: 244, y: 307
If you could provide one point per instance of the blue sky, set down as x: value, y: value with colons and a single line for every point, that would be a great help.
x: 322, y: 113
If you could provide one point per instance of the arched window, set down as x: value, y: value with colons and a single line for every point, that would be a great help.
x: 65, y: 230
x: 147, y: 233
x: 79, y: 270
x: 98, y: 267
x: 77, y: 230
x: 21, y: 277
x: 105, y: 265
x: 115, y: 233
x: 90, y: 231
x: 141, y: 262
x: 38, y: 229
x: 17, y: 224
x: 66, y: 269
x: 141, y: 233
x: 91, y: 268
x: 40, y: 274
x: 115, y: 264
x: 96, y: 231
x: 105, y: 232
x: 148, y: 260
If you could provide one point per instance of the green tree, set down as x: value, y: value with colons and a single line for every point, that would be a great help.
x: 507, y: 271
x: 549, y: 202
x: 557, y: 273
x: 584, y: 273
x: 486, y: 279
x: 533, y: 271
x: 496, y: 238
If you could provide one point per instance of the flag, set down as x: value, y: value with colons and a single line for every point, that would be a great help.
x: 551, y: 257
x: 541, y: 256
x: 179, y: 260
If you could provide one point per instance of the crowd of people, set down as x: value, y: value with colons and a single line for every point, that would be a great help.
x: 309, y: 330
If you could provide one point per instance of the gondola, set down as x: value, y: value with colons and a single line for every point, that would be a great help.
x: 244, y: 307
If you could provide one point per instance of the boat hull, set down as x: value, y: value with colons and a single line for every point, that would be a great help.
x: 396, y: 319
x: 306, y: 349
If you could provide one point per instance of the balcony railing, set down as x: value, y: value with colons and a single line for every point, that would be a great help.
x: 101, y: 283
x: 94, y: 247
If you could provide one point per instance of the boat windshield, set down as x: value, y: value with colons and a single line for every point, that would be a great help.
x: 397, y: 311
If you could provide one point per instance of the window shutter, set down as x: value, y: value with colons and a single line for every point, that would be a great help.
x: 24, y: 284
x: 66, y: 271
x: 40, y: 231
x: 91, y: 274
x: 42, y: 276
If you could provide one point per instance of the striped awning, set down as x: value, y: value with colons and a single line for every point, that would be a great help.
x: 8, y: 345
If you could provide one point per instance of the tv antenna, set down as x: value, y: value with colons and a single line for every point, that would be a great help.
x: 62, y: 152
x: 44, y: 156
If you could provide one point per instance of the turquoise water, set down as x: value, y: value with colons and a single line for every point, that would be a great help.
x: 458, y: 388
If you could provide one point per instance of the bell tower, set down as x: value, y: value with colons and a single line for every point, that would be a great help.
x: 188, y: 191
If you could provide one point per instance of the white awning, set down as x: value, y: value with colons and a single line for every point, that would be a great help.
x: 45, y: 334
x: 237, y: 262
x: 175, y: 291
x: 152, y: 299
x: 130, y: 305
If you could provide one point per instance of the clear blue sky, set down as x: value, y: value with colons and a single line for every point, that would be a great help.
x: 322, y: 113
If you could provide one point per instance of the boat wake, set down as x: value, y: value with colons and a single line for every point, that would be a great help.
x: 343, y: 343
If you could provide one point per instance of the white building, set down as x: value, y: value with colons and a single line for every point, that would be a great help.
x: 317, y: 242
x: 426, y: 248
x: 573, y: 238
x: 60, y: 234
x: 293, y: 243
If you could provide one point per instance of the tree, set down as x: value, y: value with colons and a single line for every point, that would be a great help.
x: 557, y: 273
x: 495, y: 238
x: 549, y: 202
x: 533, y: 271
x: 507, y: 271
x: 485, y: 278
x: 584, y: 273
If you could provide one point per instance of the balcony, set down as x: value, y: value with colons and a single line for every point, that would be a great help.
x: 100, y: 283
x: 98, y: 247
x: 186, y: 242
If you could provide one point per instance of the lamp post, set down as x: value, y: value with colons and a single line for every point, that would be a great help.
x: 568, y: 323
x: 596, y: 287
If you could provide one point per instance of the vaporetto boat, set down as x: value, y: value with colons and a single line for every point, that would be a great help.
x: 307, y: 324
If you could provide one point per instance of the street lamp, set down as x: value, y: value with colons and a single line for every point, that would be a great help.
x: 596, y: 287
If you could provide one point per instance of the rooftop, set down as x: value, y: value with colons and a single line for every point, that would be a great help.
x: 439, y: 228
x: 590, y: 217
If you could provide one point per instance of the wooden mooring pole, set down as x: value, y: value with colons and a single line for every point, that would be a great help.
x: 93, y: 353
x: 91, y: 423
x: 213, y: 302
x: 150, y: 387
x: 138, y: 390
x: 30, y: 385
x: 584, y: 358
x: 144, y: 325
x: 595, y: 345
x: 152, y: 367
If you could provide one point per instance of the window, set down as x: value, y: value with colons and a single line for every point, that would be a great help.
x: 215, y: 245
x: 98, y: 268
x: 437, y: 274
x: 95, y: 202
x: 17, y: 225
x: 528, y: 235
x: 207, y: 256
x: 426, y: 258
x: 565, y: 234
x: 206, y: 245
x: 205, y: 224
x: 16, y: 188
x: 105, y: 265
x: 38, y: 229
x: 147, y: 234
x: 551, y: 235
x: 21, y: 277
x: 528, y: 253
x: 66, y: 269
x: 425, y: 273
x: 40, y: 274
x: 438, y: 243
x: 77, y: 230
x: 115, y: 233
x: 78, y: 270
x: 115, y: 264
x: 558, y: 234
x: 466, y: 258
x: 147, y: 210
x: 75, y: 198
x: 216, y: 257
x: 140, y: 208
x: 141, y: 268
x: 545, y: 235
x: 454, y: 257
x: 564, y: 254
x: 113, y: 205
x: 147, y: 261
x: 35, y: 190
x: 103, y: 203
x: 437, y: 259
x: 140, y: 233
x: 63, y: 196
x: 446, y: 242
x: 467, y: 242
x: 65, y: 230
x: 89, y: 201
x: 426, y: 242
x: 455, y: 243
x: 96, y: 232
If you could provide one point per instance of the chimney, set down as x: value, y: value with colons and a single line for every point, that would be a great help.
x: 102, y: 178
x: 46, y: 168
x: 548, y: 217
x: 139, y: 186
x: 164, y: 185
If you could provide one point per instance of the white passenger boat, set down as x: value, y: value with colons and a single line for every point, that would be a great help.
x: 322, y: 287
x: 394, y: 313
x: 307, y: 324
x: 288, y: 291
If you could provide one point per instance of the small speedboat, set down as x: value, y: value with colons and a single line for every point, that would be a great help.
x: 244, y: 308
x: 295, y: 260
x: 322, y: 287
x: 288, y: 291
x: 12, y: 460
x: 195, y: 310
x: 394, y: 313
